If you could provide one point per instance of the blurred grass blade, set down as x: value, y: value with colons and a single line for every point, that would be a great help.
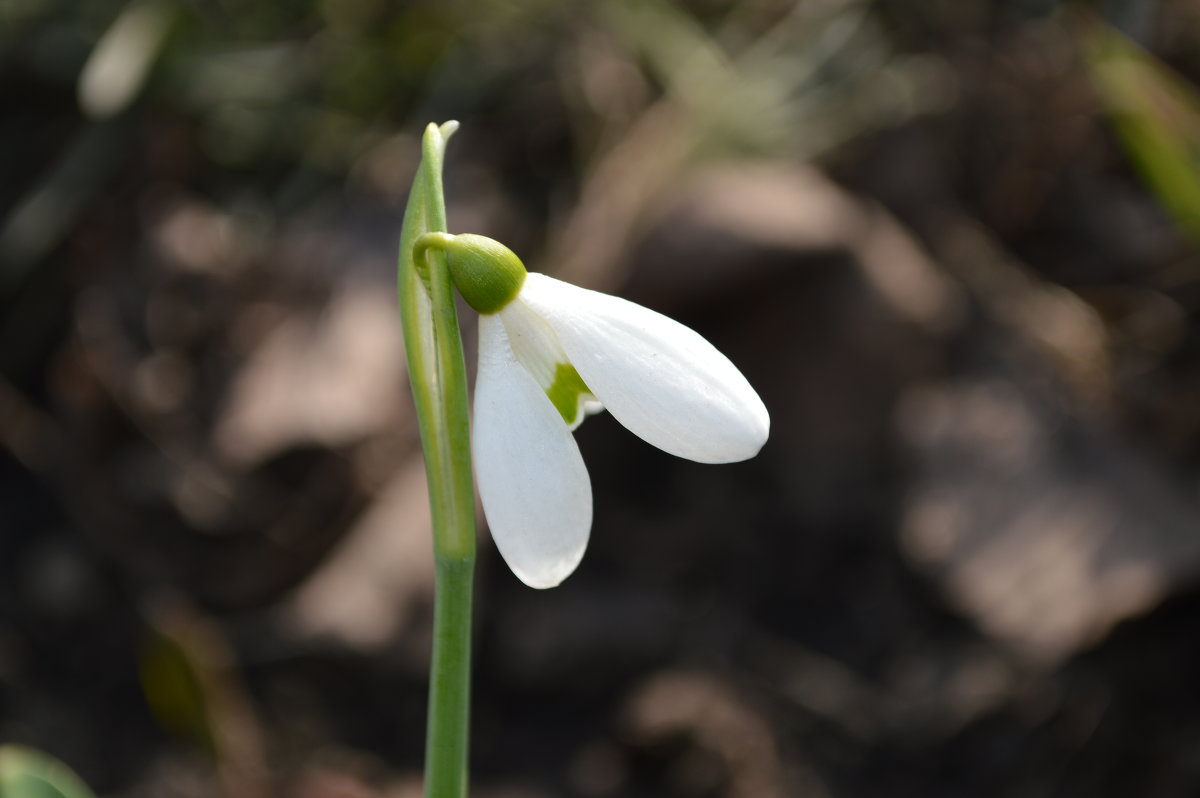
x: 1157, y: 118
x: 29, y: 773
x: 119, y: 66
x: 45, y: 216
x: 190, y: 682
x: 174, y: 685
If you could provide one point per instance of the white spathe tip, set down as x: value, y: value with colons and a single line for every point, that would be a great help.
x: 663, y: 381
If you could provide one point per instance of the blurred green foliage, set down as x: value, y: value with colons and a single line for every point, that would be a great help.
x: 1157, y: 119
x: 174, y: 686
x: 29, y: 773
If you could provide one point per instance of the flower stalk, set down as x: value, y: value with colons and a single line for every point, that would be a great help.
x: 549, y: 354
x: 439, y: 383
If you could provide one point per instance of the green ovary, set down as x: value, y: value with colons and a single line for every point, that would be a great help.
x: 565, y: 390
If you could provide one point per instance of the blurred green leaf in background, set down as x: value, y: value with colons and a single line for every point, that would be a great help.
x: 29, y: 773
x: 1156, y: 115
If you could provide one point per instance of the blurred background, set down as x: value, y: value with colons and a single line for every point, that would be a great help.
x: 955, y: 244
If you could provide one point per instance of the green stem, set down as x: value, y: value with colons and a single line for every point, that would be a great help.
x: 439, y: 383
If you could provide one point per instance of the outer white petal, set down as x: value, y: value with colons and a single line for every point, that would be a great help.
x: 534, y: 485
x: 661, y: 380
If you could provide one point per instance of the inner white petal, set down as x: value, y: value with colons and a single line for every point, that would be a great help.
x: 537, y: 347
x: 533, y: 341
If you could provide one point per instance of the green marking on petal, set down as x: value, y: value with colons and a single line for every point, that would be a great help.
x: 565, y: 392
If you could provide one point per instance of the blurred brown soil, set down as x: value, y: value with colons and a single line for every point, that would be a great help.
x: 964, y: 564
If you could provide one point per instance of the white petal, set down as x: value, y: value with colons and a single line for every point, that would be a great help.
x: 661, y: 380
x: 536, y: 347
x: 532, y: 480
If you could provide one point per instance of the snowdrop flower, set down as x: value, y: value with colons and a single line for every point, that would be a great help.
x: 550, y: 354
